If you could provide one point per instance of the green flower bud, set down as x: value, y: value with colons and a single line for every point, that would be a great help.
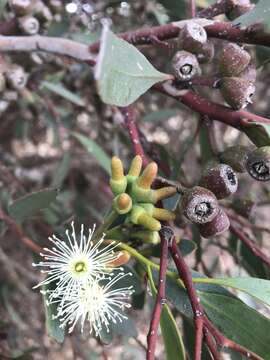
x: 139, y: 216
x: 29, y: 25
x: 236, y: 157
x: 233, y: 60
x: 158, y: 213
x: 135, y: 169
x: 238, y: 8
x: 237, y: 92
x: 185, y: 65
x: 217, y: 226
x: 199, y: 205
x: 122, y: 203
x: 118, y: 181
x: 220, y: 179
x: 147, y: 236
x: 192, y: 37
x: 258, y: 163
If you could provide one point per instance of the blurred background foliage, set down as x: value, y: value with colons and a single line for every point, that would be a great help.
x: 56, y: 134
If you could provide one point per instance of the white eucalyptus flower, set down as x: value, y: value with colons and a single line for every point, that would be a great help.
x: 75, y: 262
x: 99, y: 303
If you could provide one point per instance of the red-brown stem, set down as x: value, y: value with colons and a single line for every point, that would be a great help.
x: 209, y: 81
x: 192, y: 8
x: 220, y: 30
x: 18, y: 231
x: 160, y: 297
x: 198, y: 312
x: 213, y: 110
x: 218, y: 8
x: 223, y: 341
x: 251, y: 245
x: 212, y: 346
x: 129, y: 121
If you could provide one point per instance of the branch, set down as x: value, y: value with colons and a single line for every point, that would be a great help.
x: 54, y: 45
x: 219, y: 7
x: 130, y: 124
x: 165, y: 235
x: 198, y: 311
x: 217, y: 29
x: 251, y: 245
x: 212, y: 110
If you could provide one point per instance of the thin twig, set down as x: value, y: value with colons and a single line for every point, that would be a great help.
x: 58, y: 46
x: 197, y: 308
x: 130, y: 124
x: 251, y: 245
x: 165, y: 235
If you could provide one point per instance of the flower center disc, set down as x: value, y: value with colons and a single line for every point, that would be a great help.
x: 80, y: 267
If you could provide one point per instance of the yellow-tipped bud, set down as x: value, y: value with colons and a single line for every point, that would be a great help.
x: 135, y: 167
x: 123, y: 258
x: 118, y: 181
x: 140, y: 217
x: 148, y: 176
x: 164, y: 193
x: 147, y: 236
x: 122, y: 203
x: 163, y: 214
x: 117, y: 169
x: 142, y: 195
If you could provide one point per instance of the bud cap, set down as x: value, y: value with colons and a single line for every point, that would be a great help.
x: 233, y: 60
x: 237, y: 92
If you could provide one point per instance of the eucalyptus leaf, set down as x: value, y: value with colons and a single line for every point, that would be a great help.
x: 258, y: 133
x: 173, y: 342
x: 123, y: 73
x: 259, y: 15
x: 258, y: 288
x: 93, y: 148
x: 30, y: 204
x: 61, y: 90
x: 52, y: 323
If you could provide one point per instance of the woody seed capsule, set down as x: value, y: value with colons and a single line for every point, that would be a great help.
x: 237, y: 92
x: 192, y: 37
x: 217, y: 226
x: 236, y: 157
x: 185, y: 65
x: 199, y: 205
x: 233, y: 60
x: 221, y: 180
x: 258, y: 163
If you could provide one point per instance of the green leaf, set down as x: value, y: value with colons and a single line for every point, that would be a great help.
x: 52, y: 324
x: 258, y: 288
x: 234, y: 318
x: 123, y: 73
x: 239, y: 322
x: 93, y: 148
x: 61, y: 90
x: 61, y: 171
x: 30, y: 204
x: 258, y: 133
x: 173, y: 342
x: 2, y: 6
x: 260, y: 14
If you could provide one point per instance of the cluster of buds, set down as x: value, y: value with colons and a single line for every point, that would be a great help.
x: 135, y: 198
x: 243, y: 159
x: 33, y: 14
x: 194, y: 48
x: 238, y: 76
